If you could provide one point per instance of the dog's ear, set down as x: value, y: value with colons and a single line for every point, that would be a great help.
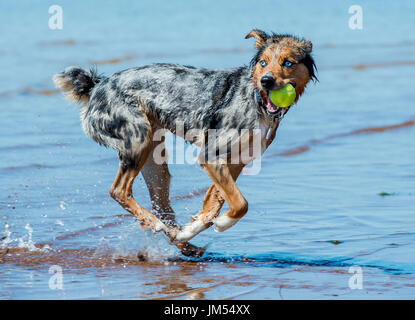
x: 308, y: 46
x: 261, y: 37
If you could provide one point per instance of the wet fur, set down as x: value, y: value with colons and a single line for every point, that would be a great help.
x: 124, y: 110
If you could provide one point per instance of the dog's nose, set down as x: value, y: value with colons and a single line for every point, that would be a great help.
x: 267, y: 82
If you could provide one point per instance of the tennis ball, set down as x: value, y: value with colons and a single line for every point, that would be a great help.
x: 284, y: 97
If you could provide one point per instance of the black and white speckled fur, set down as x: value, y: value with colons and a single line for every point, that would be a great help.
x: 198, y: 98
x: 119, y: 107
x: 124, y: 110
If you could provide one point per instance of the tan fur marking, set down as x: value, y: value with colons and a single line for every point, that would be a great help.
x: 213, y: 201
x: 259, y: 39
x: 275, y: 55
x: 222, y: 178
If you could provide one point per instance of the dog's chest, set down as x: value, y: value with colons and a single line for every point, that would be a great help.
x: 267, y: 129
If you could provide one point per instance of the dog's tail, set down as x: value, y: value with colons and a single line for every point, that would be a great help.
x: 76, y: 83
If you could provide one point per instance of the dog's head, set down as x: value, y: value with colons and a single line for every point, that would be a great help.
x: 279, y: 60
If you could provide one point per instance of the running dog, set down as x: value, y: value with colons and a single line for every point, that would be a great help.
x: 125, y: 110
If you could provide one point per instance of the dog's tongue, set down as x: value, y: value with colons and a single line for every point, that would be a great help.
x: 270, y: 106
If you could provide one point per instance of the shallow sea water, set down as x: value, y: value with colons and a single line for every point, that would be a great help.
x: 336, y: 188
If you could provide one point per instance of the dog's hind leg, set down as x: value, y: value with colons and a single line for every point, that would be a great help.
x: 157, y: 178
x: 212, y: 204
x: 121, y: 190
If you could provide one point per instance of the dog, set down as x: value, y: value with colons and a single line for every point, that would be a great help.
x: 125, y: 110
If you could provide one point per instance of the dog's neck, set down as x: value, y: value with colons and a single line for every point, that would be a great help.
x: 269, y: 122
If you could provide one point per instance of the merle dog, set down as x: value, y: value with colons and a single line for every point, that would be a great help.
x: 124, y: 111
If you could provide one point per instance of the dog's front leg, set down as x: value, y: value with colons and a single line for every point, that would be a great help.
x: 213, y: 203
x: 221, y: 176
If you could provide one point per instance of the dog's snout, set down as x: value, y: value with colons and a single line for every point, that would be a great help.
x: 267, y: 82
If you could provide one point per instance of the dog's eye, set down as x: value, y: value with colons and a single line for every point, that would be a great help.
x: 263, y: 63
x: 287, y: 63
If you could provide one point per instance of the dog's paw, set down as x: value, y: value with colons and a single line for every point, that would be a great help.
x: 224, y: 222
x: 160, y: 226
x: 189, y: 230
x: 190, y: 250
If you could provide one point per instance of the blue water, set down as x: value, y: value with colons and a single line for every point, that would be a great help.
x: 313, y: 214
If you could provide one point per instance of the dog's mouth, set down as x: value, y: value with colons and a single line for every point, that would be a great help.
x: 271, y: 108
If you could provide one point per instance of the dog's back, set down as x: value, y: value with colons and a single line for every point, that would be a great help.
x: 123, y: 108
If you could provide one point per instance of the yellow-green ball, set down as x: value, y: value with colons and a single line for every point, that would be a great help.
x: 284, y: 97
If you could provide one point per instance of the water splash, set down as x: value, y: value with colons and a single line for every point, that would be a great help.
x: 6, y: 239
x: 25, y: 241
x: 132, y: 244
